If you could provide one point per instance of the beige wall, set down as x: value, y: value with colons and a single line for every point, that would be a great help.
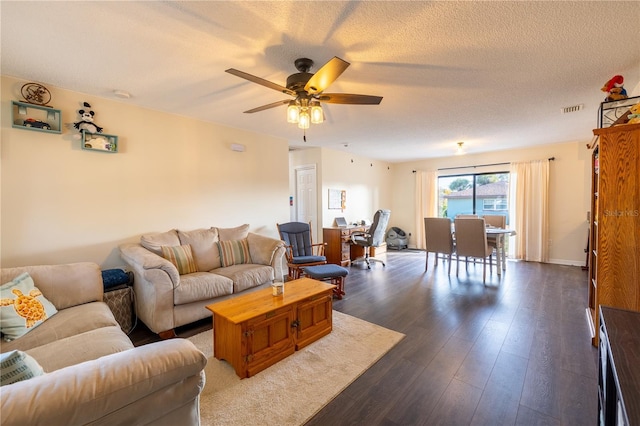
x: 367, y: 184
x: 569, y: 191
x: 60, y: 203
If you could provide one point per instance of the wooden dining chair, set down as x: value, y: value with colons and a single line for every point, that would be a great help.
x: 438, y: 239
x: 471, y: 241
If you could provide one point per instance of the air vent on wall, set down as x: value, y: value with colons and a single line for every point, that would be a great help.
x: 573, y: 108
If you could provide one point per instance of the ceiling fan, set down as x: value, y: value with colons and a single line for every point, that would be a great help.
x: 307, y: 89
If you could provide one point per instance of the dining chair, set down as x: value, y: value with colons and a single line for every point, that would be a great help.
x: 471, y: 241
x: 438, y: 239
x: 466, y: 216
x: 301, y: 251
x: 495, y: 241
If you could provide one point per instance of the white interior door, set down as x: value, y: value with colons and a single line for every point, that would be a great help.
x: 306, y: 201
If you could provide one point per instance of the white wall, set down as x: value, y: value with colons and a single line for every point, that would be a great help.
x: 569, y: 182
x: 60, y: 203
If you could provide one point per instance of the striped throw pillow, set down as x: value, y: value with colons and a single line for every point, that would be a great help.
x: 181, y: 257
x: 234, y: 252
x: 17, y: 366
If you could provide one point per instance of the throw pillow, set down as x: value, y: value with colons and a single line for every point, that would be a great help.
x: 204, y: 248
x: 181, y: 257
x: 234, y: 252
x: 17, y: 366
x: 22, y: 307
x: 154, y: 242
x: 238, y: 233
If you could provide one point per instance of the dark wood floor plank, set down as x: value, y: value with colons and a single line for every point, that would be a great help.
x: 529, y: 417
x: 456, y: 406
x: 501, y: 396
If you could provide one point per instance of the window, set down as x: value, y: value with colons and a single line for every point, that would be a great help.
x: 479, y: 193
x: 494, y: 204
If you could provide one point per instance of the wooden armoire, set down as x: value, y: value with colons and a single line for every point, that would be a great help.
x: 614, y: 234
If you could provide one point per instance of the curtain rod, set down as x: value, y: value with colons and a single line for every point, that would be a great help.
x: 480, y: 165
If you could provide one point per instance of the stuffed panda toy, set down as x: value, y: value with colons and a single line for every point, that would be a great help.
x: 86, y: 123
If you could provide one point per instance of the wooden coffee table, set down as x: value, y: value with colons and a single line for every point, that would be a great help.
x: 255, y: 330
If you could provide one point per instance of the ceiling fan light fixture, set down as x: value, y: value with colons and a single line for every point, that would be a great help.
x: 305, y: 119
x: 317, y: 115
x: 293, y: 112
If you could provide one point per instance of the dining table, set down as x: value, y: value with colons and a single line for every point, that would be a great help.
x: 501, y: 234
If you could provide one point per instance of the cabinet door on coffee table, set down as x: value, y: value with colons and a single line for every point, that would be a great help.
x: 269, y: 338
x: 314, y: 319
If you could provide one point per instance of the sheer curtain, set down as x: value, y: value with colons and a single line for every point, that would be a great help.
x: 426, y: 202
x: 530, y: 209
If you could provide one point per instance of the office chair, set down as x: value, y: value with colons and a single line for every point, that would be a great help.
x: 372, y: 238
x: 301, y: 251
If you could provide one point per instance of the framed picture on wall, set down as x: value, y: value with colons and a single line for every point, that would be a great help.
x: 337, y: 199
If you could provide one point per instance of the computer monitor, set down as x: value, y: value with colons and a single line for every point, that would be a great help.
x: 341, y: 222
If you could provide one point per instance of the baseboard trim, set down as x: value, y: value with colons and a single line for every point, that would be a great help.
x: 567, y: 262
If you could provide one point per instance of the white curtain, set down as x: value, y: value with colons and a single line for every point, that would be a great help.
x: 530, y: 210
x: 426, y: 202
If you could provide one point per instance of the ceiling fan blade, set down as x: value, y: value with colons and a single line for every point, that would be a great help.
x: 326, y: 75
x: 260, y: 81
x: 347, y: 98
x: 268, y: 106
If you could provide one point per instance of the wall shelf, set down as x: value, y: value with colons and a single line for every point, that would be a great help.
x: 36, y: 118
x: 99, y: 142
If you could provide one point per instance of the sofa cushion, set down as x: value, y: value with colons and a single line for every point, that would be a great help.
x: 67, y: 322
x: 63, y: 285
x: 237, y: 233
x: 234, y: 252
x: 247, y: 276
x: 204, y: 248
x: 22, y: 307
x: 17, y: 366
x: 201, y: 286
x: 81, y: 347
x: 181, y: 257
x: 154, y: 242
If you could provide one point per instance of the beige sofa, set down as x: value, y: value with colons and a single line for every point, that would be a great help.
x: 94, y: 375
x: 166, y: 299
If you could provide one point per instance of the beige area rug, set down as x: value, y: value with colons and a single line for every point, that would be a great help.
x: 296, y: 388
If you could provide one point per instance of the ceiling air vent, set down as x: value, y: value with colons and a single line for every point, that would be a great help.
x: 574, y: 108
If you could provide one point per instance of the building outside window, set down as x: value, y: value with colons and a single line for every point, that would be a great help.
x: 480, y: 194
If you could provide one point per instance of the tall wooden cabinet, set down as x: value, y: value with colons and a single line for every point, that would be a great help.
x: 614, y: 235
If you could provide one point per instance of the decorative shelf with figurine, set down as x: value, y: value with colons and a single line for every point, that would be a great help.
x: 91, y: 134
x: 38, y: 118
x: 615, y: 107
x: 99, y: 142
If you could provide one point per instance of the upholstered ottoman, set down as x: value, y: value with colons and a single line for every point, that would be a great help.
x: 328, y: 272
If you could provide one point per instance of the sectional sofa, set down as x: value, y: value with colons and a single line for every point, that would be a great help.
x: 92, y: 372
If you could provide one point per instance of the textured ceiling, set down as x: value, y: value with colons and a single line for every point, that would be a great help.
x: 492, y: 74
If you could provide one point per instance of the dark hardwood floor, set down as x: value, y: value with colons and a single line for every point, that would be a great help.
x: 517, y: 351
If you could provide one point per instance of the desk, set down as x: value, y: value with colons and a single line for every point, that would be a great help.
x: 338, y: 240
